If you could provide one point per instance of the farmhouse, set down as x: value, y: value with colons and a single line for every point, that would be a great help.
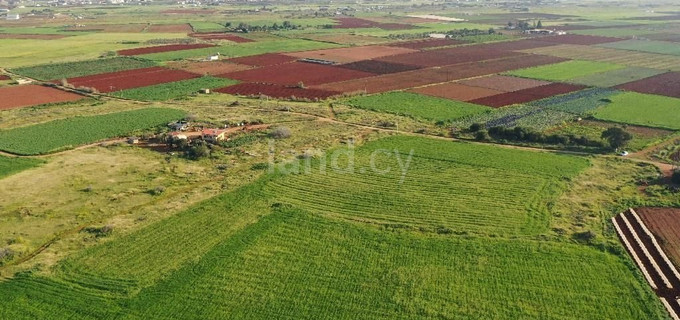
x: 13, y: 16
x: 179, y: 125
x: 214, y: 135
x: 178, y: 135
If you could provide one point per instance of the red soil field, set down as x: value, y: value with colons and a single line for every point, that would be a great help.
x: 221, y: 36
x: 578, y: 39
x: 262, y: 60
x: 295, y: 72
x: 276, y: 91
x: 122, y: 80
x: 518, y: 45
x: 666, y: 84
x: 349, y: 22
x: 664, y: 223
x: 170, y: 28
x: 378, y: 67
x: 449, y: 56
x: 32, y: 36
x: 429, y: 43
x: 352, y: 54
x: 188, y: 11
x: 165, y: 48
x: 416, y: 78
x: 208, y: 67
x: 4, y: 77
x: 456, y: 91
x: 32, y: 95
x: 527, y: 95
x: 504, y: 83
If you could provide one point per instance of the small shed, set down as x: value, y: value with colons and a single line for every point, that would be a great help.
x: 214, y: 135
x: 133, y: 140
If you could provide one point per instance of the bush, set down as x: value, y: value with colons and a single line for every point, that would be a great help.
x: 482, y: 136
x: 475, y: 127
x: 280, y: 133
x: 676, y: 177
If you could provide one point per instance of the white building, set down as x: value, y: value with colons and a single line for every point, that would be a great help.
x: 13, y: 16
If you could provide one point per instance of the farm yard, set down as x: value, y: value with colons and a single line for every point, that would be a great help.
x: 340, y: 160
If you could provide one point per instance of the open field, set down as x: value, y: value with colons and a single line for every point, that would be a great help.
x: 526, y: 95
x: 277, y: 91
x: 67, y: 133
x: 565, y: 70
x: 660, y: 47
x: 165, y: 48
x: 504, y: 83
x: 9, y: 166
x: 416, y: 105
x: 663, y: 223
x: 642, y: 136
x: 207, y: 67
x: 667, y: 84
x: 352, y: 54
x: 59, y: 71
x: 615, y: 77
x: 263, y: 60
x: 456, y: 91
x: 642, y: 109
x: 32, y: 95
x: 296, y: 72
x: 173, y: 90
x: 130, y: 79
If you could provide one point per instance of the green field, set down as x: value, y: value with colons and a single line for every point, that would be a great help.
x: 417, y: 105
x: 593, y: 130
x: 173, y: 90
x: 642, y: 109
x: 613, y: 32
x: 242, y: 49
x: 327, y: 253
x: 206, y: 26
x: 661, y: 47
x: 10, y: 166
x: 616, y: 77
x: 83, y: 68
x: 67, y: 133
x: 564, y: 71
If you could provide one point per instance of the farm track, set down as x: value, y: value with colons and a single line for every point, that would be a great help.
x: 653, y: 262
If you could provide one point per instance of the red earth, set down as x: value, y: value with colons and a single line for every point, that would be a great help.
x: 296, y: 72
x: 136, y: 78
x: 32, y: 95
x: 578, y: 39
x: 518, y: 45
x: 276, y: 91
x: 262, y: 60
x: 527, y: 95
x: 504, y: 83
x: 664, y: 223
x: 666, y: 84
x: 428, y: 43
x: 456, y: 91
x: 449, y: 56
x: 221, y: 36
x: 4, y: 77
x: 378, y: 67
x: 165, y: 48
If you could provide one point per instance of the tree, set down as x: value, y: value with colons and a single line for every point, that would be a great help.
x: 617, y: 137
x: 539, y: 25
x: 482, y: 135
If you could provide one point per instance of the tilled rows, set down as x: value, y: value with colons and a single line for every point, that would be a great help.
x: 657, y: 269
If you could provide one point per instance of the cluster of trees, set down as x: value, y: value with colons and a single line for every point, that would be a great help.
x: 615, y: 137
x: 525, y: 25
x: 244, y: 27
x: 450, y: 34
x: 676, y: 177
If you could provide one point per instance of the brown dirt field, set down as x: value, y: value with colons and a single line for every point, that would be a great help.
x: 32, y: 95
x: 276, y: 91
x: 4, y: 77
x: 666, y: 84
x: 378, y: 67
x: 170, y: 28
x: 32, y: 36
x: 416, y: 78
x: 427, y: 43
x: 221, y: 36
x: 296, y: 72
x: 664, y: 223
x: 164, y: 48
x: 348, y: 39
x: 516, y: 45
x: 504, y: 83
x: 347, y: 55
x: 112, y: 28
x: 263, y: 60
x: 449, y: 56
x: 128, y: 79
x: 208, y: 67
x: 578, y: 39
x: 527, y: 95
x: 456, y: 91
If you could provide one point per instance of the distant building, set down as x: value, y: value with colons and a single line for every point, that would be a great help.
x: 133, y: 140
x: 214, y: 57
x: 437, y: 35
x: 214, y: 135
x: 179, y: 125
x: 178, y: 135
x: 13, y: 16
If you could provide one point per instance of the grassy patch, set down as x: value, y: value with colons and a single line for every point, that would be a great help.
x: 83, y: 68
x: 616, y: 77
x: 416, y: 105
x: 661, y: 47
x: 172, y: 90
x: 61, y: 134
x: 564, y: 71
x: 642, y: 109
x: 642, y: 137
x: 10, y: 166
x: 207, y: 26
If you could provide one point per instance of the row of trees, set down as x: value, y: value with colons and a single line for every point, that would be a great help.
x: 244, y: 27
x: 525, y: 25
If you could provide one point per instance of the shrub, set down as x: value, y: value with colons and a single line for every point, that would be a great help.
x: 280, y: 133
x: 676, y: 177
x: 475, y: 127
x: 482, y: 136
